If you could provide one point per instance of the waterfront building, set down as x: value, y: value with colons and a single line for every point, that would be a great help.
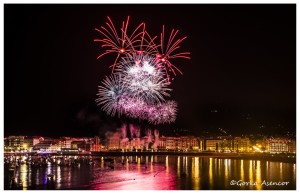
x: 241, y: 144
x: 201, y: 142
x: 186, y: 143
x: 113, y: 142
x: 162, y: 143
x: 225, y: 145
x: 65, y: 142
x: 292, y: 146
x: 194, y: 143
x: 261, y: 143
x: 212, y: 144
x: 47, y: 146
x: 125, y: 145
x: 171, y: 143
x: 14, y: 143
x: 30, y: 141
x: 36, y: 140
x: 136, y: 144
x: 277, y: 145
x: 80, y: 145
x: 97, y: 144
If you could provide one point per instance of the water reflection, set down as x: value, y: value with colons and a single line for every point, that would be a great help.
x: 242, y: 170
x: 258, y: 175
x: 250, y: 171
x: 58, y: 177
x: 167, y: 165
x: 210, y: 172
x: 280, y: 171
x: 178, y: 166
x: 226, y: 169
x: 294, y: 172
x: 24, y: 174
x: 152, y: 172
x: 195, y: 173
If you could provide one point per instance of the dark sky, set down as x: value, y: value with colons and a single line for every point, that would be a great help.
x: 243, y: 65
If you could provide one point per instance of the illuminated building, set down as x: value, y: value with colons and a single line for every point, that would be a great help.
x: 241, y: 144
x: 93, y: 144
x: 125, y: 145
x: 162, y: 143
x: 113, y: 142
x: 212, y: 144
x: 226, y: 145
x: 136, y: 144
x: 171, y: 143
x: 14, y: 143
x: 36, y: 140
x: 194, y: 143
x: 187, y: 143
x: 49, y: 146
x: 201, y: 142
x: 262, y: 144
x: 277, y: 145
x: 65, y: 142
x: 80, y: 145
x: 292, y: 146
x: 29, y: 142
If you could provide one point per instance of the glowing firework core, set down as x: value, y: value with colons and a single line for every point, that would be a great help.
x: 140, y: 80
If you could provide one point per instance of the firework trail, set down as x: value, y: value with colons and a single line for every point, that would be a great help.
x: 166, y: 52
x: 140, y: 80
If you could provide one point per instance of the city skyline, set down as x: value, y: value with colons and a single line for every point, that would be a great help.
x: 242, y: 75
x: 153, y: 141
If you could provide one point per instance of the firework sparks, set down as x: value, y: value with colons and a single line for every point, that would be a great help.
x: 140, y: 78
x: 110, y: 94
x: 143, y: 79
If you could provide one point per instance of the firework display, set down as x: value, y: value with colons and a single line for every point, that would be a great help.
x: 141, y: 73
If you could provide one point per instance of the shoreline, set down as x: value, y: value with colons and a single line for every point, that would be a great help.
x: 241, y: 156
x: 288, y: 158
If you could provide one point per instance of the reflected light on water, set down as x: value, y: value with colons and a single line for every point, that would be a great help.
x: 258, y: 175
x: 24, y: 173
x: 49, y: 169
x: 167, y: 164
x: 250, y: 172
x: 229, y: 167
x: 58, y: 177
x: 151, y: 164
x: 210, y: 173
x: 183, y: 161
x: 139, y: 164
x: 127, y: 164
x: 29, y: 175
x: 69, y: 179
x: 226, y: 170
x: 280, y: 170
x: 168, y: 172
x: 294, y: 172
x: 195, y: 173
x: 219, y: 165
x: 102, y: 163
x: 186, y: 165
x: 242, y: 170
x: 178, y: 166
x: 37, y: 180
x: 267, y: 169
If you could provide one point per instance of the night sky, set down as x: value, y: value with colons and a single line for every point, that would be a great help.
x: 242, y: 75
